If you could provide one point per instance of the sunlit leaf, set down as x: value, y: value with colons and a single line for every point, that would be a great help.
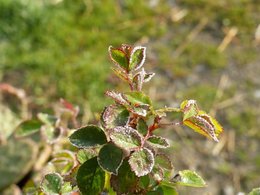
x: 52, y: 183
x: 66, y: 188
x: 110, y: 158
x: 205, y: 125
x: 119, y: 57
x: 168, y: 190
x: 63, y: 161
x: 85, y: 154
x: 90, y: 177
x: 137, y: 58
x: 141, y: 161
x: 190, y: 178
x: 199, y: 121
x: 189, y: 108
x: 88, y: 136
x: 126, y: 138
x: 47, y: 119
x: 138, y: 103
x: 255, y: 191
x: 137, y: 98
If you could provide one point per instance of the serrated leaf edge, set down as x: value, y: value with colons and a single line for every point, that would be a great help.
x: 149, y: 168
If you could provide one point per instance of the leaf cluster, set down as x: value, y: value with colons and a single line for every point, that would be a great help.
x: 122, y: 155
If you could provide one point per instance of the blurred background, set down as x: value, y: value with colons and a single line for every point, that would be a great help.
x: 199, y: 49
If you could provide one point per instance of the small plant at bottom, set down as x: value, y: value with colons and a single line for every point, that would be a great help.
x: 123, y: 155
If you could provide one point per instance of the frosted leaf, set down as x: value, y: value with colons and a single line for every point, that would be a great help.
x: 142, y: 162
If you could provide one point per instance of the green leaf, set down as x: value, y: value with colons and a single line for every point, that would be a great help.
x: 137, y: 98
x: 28, y: 127
x: 51, y: 133
x: 121, y: 74
x: 118, y: 97
x: 66, y: 188
x: 138, y: 103
x: 135, y: 102
x: 157, y: 191
x: 114, y: 115
x: 126, y: 180
x: 141, y: 162
x: 163, y: 161
x: 90, y: 177
x: 137, y: 58
x: 17, y: 156
x: 189, y: 108
x: 63, y: 161
x: 110, y: 158
x: 190, y: 178
x: 119, y: 57
x: 142, y: 127
x: 158, y: 142
x: 85, y: 154
x: 88, y: 136
x: 162, y: 112
x: 168, y: 190
x: 144, y: 181
x: 52, y: 183
x: 47, y: 119
x: 157, y: 173
x: 255, y: 191
x: 126, y: 138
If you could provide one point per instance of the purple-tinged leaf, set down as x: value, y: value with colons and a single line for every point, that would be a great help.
x: 141, y: 162
x: 118, y: 97
x: 126, y: 138
x: 119, y: 57
x: 114, y: 115
x: 205, y: 125
x: 139, y: 103
x: 120, y: 73
x: 199, y: 121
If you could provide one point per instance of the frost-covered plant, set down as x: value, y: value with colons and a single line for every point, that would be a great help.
x: 123, y: 155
